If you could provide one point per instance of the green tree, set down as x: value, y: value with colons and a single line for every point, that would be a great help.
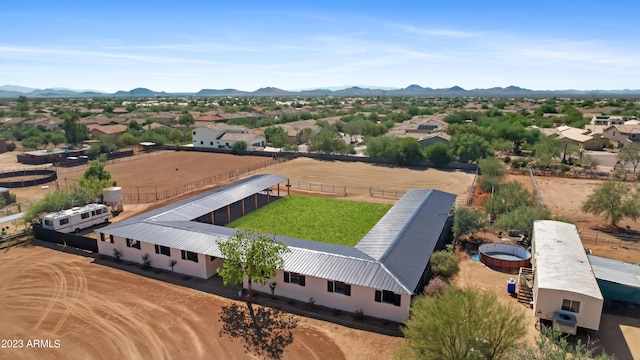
x: 186, y: 119
x: 508, y: 197
x: 239, y: 146
x: 614, y: 200
x: 276, y: 135
x: 250, y: 255
x: 460, y: 324
x: 466, y: 222
x: 386, y: 146
x: 96, y: 178
x: 469, y: 147
x: 73, y: 130
x: 56, y: 201
x: 444, y: 265
x: 328, y: 141
x: 439, y: 154
x: 134, y: 125
x: 492, y: 171
x: 32, y: 142
x: 409, y: 152
x: 522, y: 218
x: 629, y: 154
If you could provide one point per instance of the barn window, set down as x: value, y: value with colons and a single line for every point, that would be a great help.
x: 294, y: 278
x: 164, y: 250
x: 133, y: 243
x: 339, y: 287
x: 388, y: 297
x: 188, y: 255
x: 571, y: 305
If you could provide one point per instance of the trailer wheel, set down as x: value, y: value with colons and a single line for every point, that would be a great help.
x: 77, y: 230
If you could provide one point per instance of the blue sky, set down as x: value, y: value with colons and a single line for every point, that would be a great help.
x: 191, y: 45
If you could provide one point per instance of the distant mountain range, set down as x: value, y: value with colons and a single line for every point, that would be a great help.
x: 12, y: 91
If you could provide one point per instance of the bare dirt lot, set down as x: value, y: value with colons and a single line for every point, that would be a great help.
x: 97, y: 312
x: 359, y: 177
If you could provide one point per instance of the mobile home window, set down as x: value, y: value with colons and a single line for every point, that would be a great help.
x: 339, y: 287
x: 64, y: 221
x: 48, y: 222
x: 188, y: 255
x: 93, y: 213
x: 164, y: 250
x: 294, y: 278
x: 133, y: 243
x: 84, y: 215
x: 571, y: 305
x: 388, y: 297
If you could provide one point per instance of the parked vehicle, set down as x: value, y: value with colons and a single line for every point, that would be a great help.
x: 77, y: 218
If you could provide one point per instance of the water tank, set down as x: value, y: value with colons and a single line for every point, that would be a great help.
x: 112, y: 196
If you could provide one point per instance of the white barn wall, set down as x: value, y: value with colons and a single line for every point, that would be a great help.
x: 203, y: 269
x: 362, y: 298
x: 550, y: 300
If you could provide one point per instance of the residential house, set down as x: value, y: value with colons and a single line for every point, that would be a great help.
x: 620, y: 135
x: 224, y: 136
x: 580, y: 137
x: 607, y: 120
x: 112, y: 131
x: 433, y: 138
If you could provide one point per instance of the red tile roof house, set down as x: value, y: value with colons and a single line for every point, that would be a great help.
x: 112, y: 131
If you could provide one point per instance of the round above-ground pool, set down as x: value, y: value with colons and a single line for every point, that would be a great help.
x: 504, y: 257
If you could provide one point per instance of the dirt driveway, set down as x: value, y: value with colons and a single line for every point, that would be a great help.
x: 98, y: 312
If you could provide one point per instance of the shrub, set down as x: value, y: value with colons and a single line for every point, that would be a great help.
x: 507, y: 159
x: 435, y: 286
x: 117, y: 254
x: 146, y: 261
x: 444, y: 264
x: 11, y: 146
x: 360, y: 314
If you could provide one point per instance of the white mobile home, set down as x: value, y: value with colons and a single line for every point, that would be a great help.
x: 77, y: 218
x: 565, y: 290
x: 378, y: 276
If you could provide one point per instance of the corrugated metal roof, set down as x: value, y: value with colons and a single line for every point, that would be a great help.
x: 561, y: 261
x: 615, y: 271
x: 409, y: 254
x: 214, y: 199
x: 390, y: 227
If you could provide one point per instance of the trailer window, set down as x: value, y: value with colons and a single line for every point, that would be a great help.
x: 571, y: 305
x: 84, y: 215
x: 64, y: 221
x: 48, y: 222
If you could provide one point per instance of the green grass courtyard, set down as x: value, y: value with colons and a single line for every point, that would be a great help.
x: 335, y: 221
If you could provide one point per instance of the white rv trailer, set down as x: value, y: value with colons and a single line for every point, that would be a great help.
x: 77, y: 218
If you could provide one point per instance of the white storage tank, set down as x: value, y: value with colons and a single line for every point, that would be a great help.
x: 112, y: 196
